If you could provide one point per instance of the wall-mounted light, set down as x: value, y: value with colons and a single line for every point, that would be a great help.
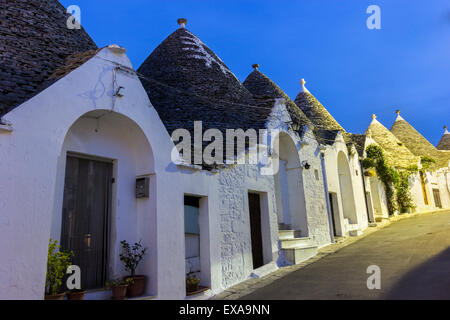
x: 306, y: 165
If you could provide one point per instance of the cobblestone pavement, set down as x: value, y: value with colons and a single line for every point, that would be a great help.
x: 413, y: 252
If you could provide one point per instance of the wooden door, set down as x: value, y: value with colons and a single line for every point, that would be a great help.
x: 332, y: 213
x: 255, y: 229
x: 85, y: 217
x: 437, y: 198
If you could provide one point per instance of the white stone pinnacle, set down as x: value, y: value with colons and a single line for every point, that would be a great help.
x: 303, y: 88
x: 399, y: 117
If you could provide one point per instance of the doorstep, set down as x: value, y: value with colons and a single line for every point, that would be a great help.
x: 144, y: 298
x: 204, y: 293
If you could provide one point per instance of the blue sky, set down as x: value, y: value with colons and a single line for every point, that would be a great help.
x: 352, y: 70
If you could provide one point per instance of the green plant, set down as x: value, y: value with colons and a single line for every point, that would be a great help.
x: 350, y: 150
x: 57, y: 263
x: 396, y: 183
x: 192, y: 281
x: 118, y: 282
x: 131, y: 256
x: 426, y: 162
x: 413, y: 169
x: 403, y: 194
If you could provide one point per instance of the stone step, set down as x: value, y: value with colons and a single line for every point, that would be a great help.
x: 381, y: 219
x: 352, y: 227
x: 288, y: 234
x: 355, y: 233
x: 339, y: 239
x: 296, y: 243
x: 298, y: 255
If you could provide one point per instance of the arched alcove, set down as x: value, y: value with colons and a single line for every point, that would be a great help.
x: 102, y: 155
x: 346, y: 189
x: 291, y: 206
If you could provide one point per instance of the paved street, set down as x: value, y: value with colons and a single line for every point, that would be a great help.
x: 413, y: 254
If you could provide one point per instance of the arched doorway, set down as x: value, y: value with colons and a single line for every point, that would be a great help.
x: 291, y: 207
x: 376, y: 198
x: 96, y: 206
x: 346, y: 189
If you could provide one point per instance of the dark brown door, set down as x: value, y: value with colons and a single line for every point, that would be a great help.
x: 255, y: 229
x: 330, y: 195
x: 85, y: 217
x: 437, y: 198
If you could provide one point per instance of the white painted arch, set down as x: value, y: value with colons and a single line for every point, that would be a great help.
x: 289, y: 185
x: 346, y: 188
x: 113, y: 136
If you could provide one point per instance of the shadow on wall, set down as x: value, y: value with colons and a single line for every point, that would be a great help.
x: 431, y: 280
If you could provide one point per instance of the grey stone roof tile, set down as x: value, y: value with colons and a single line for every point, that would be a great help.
x: 418, y: 144
x: 261, y: 86
x: 34, y: 42
x: 187, y: 82
x: 316, y: 112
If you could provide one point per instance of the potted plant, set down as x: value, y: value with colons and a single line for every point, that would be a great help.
x: 57, y: 263
x: 118, y: 288
x: 76, y: 294
x: 131, y: 256
x: 192, y: 283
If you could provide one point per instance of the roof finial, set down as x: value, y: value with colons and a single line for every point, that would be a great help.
x: 374, y: 116
x: 182, y: 22
x: 399, y: 117
x: 255, y: 66
x: 302, y: 83
x: 445, y: 130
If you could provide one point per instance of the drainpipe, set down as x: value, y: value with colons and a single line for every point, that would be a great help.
x: 325, y: 186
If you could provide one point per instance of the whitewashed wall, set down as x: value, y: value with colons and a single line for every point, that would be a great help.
x: 30, y: 158
x: 331, y: 165
x: 315, y: 197
x: 32, y: 171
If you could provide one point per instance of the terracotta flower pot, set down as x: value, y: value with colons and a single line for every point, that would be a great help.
x: 137, y: 288
x: 191, y: 287
x: 76, y: 295
x: 59, y: 296
x: 119, y: 292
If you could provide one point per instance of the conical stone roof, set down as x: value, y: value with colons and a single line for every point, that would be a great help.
x: 262, y: 87
x: 395, y: 151
x: 34, y: 42
x: 417, y: 143
x: 444, y: 144
x: 187, y: 82
x: 315, y: 111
